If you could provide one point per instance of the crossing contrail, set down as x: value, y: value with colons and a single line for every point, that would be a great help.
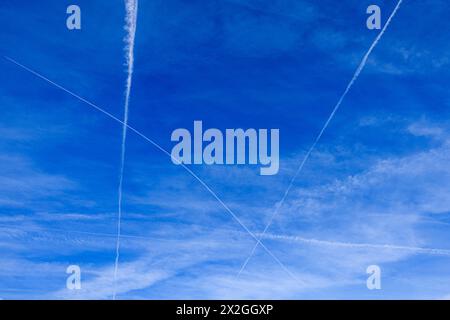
x: 325, y: 126
x: 157, y: 146
x: 131, y: 7
x: 432, y: 251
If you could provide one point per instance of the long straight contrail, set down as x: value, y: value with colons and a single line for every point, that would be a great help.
x: 157, y: 146
x: 325, y: 126
x: 131, y: 7
x: 432, y: 251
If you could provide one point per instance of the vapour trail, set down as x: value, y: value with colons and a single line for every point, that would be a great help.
x: 319, y: 136
x: 156, y: 145
x: 131, y: 7
x: 432, y: 251
x: 48, y: 233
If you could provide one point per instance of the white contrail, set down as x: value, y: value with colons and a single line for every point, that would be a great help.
x: 432, y: 251
x: 157, y: 146
x: 131, y: 7
x: 336, y: 107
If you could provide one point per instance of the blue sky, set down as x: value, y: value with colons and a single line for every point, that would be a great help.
x: 380, y: 175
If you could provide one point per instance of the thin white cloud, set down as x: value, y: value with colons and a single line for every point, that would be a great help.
x: 417, y: 250
x: 131, y: 7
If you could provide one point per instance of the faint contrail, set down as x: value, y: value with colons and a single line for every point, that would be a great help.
x: 157, y: 146
x: 336, y: 107
x: 432, y: 251
x: 131, y: 7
